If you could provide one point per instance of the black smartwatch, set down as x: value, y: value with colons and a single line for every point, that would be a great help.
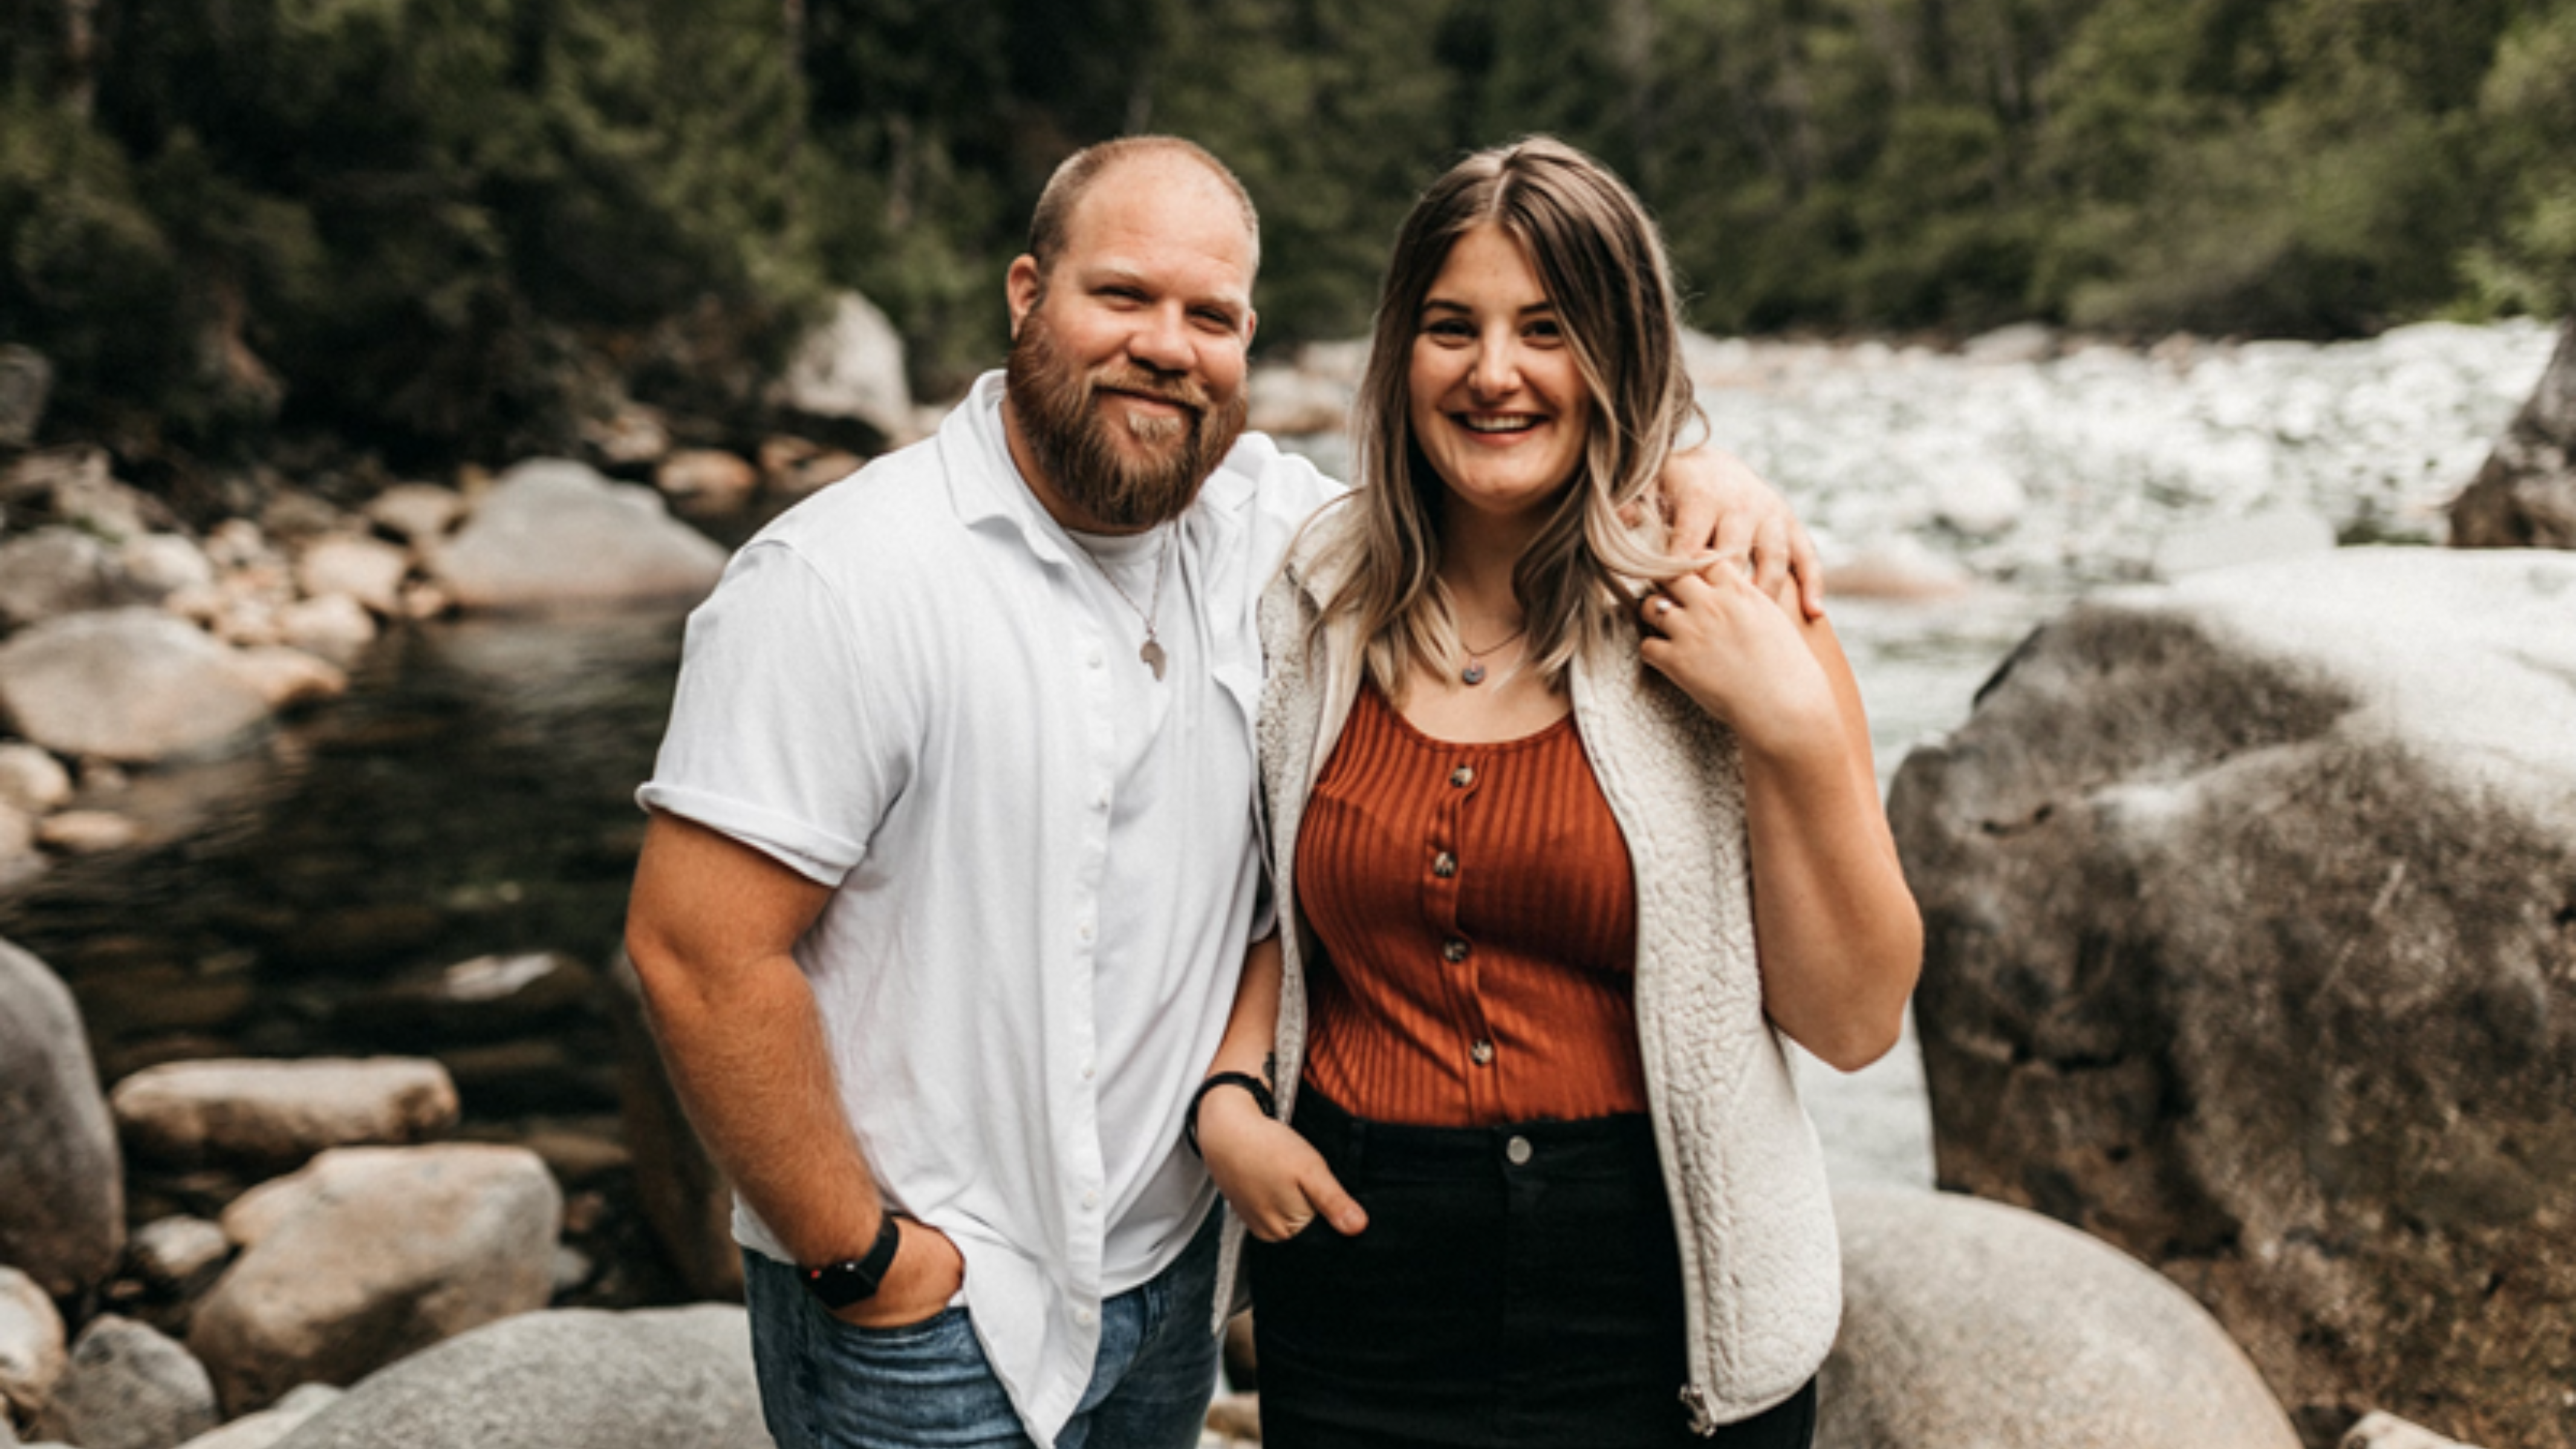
x: 855, y: 1280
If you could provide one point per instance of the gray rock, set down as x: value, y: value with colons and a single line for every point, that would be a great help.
x: 366, y: 569
x: 32, y: 1352
x: 26, y: 382
x: 670, y: 1378
x: 177, y: 1254
x: 371, y: 1253
x: 2268, y: 536
x: 33, y: 780
x: 2525, y: 495
x: 155, y: 566
x: 278, y: 1114
x: 62, y: 1219
x: 288, y: 677
x: 552, y: 532
x: 852, y: 367
x: 686, y: 1199
x: 417, y: 513
x: 129, y: 1387
x: 334, y: 626
x: 2249, y: 950
x: 1971, y: 1325
x: 52, y: 572
x: 266, y: 1428
x: 131, y: 685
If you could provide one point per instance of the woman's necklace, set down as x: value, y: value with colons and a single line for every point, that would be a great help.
x: 1474, y: 673
x: 1152, y: 653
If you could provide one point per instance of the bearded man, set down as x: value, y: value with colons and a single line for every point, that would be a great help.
x: 952, y: 860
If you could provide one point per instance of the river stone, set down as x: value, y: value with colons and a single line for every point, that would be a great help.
x: 176, y: 1254
x: 707, y: 480
x: 157, y: 565
x: 2525, y: 495
x: 1971, y: 1325
x: 2251, y: 947
x: 417, y: 513
x: 20, y: 860
x: 32, y: 1357
x: 33, y: 780
x: 481, y: 999
x: 129, y: 1387
x: 371, y: 1253
x: 87, y: 832
x: 278, y: 1114
x: 62, y: 1217
x: 131, y: 685
x: 266, y: 1428
x: 852, y: 367
x: 287, y: 677
x: 555, y: 532
x: 52, y: 572
x: 576, y: 1378
x: 2387, y: 1431
x: 334, y: 626
x: 368, y: 570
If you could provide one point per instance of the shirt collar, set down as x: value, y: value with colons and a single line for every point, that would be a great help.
x: 986, y: 485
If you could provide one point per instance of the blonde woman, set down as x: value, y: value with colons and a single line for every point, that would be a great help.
x: 1566, y: 837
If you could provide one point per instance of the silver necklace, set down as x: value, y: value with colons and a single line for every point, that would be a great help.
x: 1152, y: 653
x: 1474, y: 673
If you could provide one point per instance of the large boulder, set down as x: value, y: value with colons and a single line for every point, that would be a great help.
x: 2525, y: 496
x: 851, y: 367
x: 1971, y: 1325
x: 671, y: 1378
x: 264, y: 1429
x: 131, y: 685
x: 129, y: 1387
x: 2251, y: 947
x: 552, y: 532
x: 371, y: 1253
x: 62, y: 1213
x: 277, y: 1114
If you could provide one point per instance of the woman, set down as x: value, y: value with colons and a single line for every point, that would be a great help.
x: 1566, y: 835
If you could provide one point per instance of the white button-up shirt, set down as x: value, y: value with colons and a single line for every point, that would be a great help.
x: 914, y: 688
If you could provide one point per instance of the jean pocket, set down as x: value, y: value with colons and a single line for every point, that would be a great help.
x: 930, y: 1334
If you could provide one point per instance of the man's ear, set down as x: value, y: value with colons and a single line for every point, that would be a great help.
x: 1020, y: 288
x: 1251, y: 324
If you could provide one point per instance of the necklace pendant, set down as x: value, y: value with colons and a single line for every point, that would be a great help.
x: 1474, y: 673
x: 1152, y: 654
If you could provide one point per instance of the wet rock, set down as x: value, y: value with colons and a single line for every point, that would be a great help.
x: 552, y: 532
x: 88, y: 497
x: 2387, y: 1431
x: 26, y: 382
x: 87, y: 832
x: 129, y: 1387
x: 277, y: 1114
x: 2251, y: 949
x: 20, y: 860
x: 157, y: 565
x: 420, y: 514
x: 33, y: 780
x: 669, y: 1378
x: 365, y: 569
x: 706, y: 480
x: 62, y: 1219
x: 629, y: 435
x: 1971, y: 1325
x: 32, y: 1354
x: 178, y: 1254
x: 271, y: 1425
x: 287, y: 677
x: 52, y: 572
x: 334, y: 626
x: 2525, y: 495
x: 372, y: 1253
x: 130, y: 685
x: 686, y: 1199
x: 482, y: 999
x: 2268, y: 536
x: 852, y: 367
x: 295, y: 518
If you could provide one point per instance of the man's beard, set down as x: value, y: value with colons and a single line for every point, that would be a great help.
x: 1061, y: 421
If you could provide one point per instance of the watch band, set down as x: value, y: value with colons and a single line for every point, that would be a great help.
x: 1259, y: 1089
x: 856, y: 1280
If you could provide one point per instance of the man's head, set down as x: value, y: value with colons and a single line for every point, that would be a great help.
x: 1131, y: 319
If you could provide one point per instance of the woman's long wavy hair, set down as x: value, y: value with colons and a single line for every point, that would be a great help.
x: 1599, y: 257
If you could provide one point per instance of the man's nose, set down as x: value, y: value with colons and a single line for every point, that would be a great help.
x: 1161, y: 341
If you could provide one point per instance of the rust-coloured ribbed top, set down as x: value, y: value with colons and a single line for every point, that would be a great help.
x: 1479, y: 928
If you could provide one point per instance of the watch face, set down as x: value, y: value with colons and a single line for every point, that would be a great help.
x: 838, y: 1285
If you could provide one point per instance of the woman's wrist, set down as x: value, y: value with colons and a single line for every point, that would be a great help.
x: 1243, y: 1084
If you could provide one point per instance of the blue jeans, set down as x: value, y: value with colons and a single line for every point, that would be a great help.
x: 827, y: 1385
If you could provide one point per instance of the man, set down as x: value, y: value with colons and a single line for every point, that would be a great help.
x: 953, y: 855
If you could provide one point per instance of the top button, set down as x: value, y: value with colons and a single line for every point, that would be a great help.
x: 1444, y: 865
x: 1463, y: 776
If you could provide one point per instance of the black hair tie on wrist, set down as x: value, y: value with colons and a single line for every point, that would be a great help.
x: 1259, y: 1089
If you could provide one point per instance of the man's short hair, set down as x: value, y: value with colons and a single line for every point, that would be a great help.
x: 1072, y: 179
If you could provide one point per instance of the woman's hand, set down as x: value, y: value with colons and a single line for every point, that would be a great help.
x: 926, y: 1272
x: 1742, y: 654
x: 1274, y: 1179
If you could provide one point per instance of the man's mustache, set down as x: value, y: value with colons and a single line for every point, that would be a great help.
x: 1179, y: 392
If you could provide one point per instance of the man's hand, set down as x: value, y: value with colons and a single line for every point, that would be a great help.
x: 1723, y: 514
x: 926, y: 1272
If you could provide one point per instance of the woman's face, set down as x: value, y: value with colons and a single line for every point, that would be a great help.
x: 1496, y: 400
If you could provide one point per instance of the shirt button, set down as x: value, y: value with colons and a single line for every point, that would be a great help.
x: 1100, y: 801
x: 1517, y: 1151
x: 1481, y: 1053
x: 1088, y: 1071
x: 1453, y: 950
x: 1463, y: 776
x: 1091, y: 1199
x: 1083, y: 931
x: 1444, y: 865
x: 1095, y: 658
x: 1085, y: 1317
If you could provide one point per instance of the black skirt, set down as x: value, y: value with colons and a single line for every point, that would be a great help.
x: 1515, y: 1286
